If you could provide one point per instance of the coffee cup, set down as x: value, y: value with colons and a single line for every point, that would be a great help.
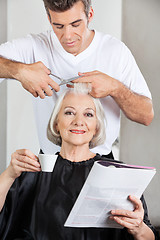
x: 47, y: 162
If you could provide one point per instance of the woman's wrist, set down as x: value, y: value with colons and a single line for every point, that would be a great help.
x: 10, y: 174
x: 143, y: 232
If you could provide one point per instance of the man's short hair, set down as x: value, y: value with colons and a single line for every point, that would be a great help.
x: 64, y: 5
x: 98, y: 138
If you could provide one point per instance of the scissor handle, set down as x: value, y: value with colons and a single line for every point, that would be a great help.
x: 55, y: 76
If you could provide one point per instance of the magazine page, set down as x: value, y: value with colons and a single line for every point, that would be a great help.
x: 107, y: 188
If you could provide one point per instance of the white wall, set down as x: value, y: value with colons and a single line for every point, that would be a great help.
x: 23, y: 17
x: 3, y: 90
x: 107, y: 16
x: 26, y: 17
x: 140, y: 144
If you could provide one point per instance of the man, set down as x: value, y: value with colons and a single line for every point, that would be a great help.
x: 71, y: 49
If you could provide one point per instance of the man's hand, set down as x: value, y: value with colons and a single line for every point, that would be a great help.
x: 35, y: 79
x: 102, y: 85
x: 136, y: 107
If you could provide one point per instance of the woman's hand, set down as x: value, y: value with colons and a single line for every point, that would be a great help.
x: 23, y: 160
x: 132, y: 220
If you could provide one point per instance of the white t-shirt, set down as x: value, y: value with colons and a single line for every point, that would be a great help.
x: 105, y: 54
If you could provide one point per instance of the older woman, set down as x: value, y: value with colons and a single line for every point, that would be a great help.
x: 37, y: 204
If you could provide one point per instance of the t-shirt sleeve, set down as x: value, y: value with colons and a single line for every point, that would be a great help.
x: 131, y: 75
x: 20, y: 50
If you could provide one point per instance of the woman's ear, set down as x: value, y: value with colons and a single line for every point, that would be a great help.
x: 97, y: 129
x: 56, y: 127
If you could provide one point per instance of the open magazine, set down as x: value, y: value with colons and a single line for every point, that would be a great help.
x: 106, y: 188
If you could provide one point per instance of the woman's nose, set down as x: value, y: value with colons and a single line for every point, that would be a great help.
x: 78, y: 121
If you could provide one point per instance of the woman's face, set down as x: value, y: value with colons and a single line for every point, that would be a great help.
x: 77, y: 119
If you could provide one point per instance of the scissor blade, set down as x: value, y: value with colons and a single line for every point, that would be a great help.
x: 68, y: 80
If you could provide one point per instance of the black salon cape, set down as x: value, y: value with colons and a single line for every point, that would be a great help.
x: 38, y: 205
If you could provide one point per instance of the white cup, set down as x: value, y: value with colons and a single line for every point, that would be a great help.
x: 47, y: 162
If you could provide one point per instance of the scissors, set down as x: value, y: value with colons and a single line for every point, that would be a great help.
x: 64, y: 81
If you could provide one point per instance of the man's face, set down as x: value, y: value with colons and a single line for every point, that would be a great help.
x: 71, y: 28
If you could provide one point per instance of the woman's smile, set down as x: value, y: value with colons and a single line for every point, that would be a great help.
x: 75, y: 131
x: 77, y: 120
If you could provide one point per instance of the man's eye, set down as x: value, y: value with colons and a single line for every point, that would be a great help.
x: 75, y: 25
x: 58, y: 26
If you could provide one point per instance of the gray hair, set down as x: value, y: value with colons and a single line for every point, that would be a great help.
x: 79, y: 88
x: 64, y: 5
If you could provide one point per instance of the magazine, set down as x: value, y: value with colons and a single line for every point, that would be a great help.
x: 107, y: 188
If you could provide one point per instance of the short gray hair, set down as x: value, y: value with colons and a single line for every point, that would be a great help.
x: 79, y: 88
x: 64, y: 5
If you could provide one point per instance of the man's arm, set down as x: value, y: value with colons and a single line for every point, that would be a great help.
x: 136, y: 107
x: 33, y: 77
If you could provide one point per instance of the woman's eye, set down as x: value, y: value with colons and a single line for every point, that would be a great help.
x: 89, y: 114
x: 68, y: 113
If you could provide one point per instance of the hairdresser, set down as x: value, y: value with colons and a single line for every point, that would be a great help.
x: 69, y: 49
